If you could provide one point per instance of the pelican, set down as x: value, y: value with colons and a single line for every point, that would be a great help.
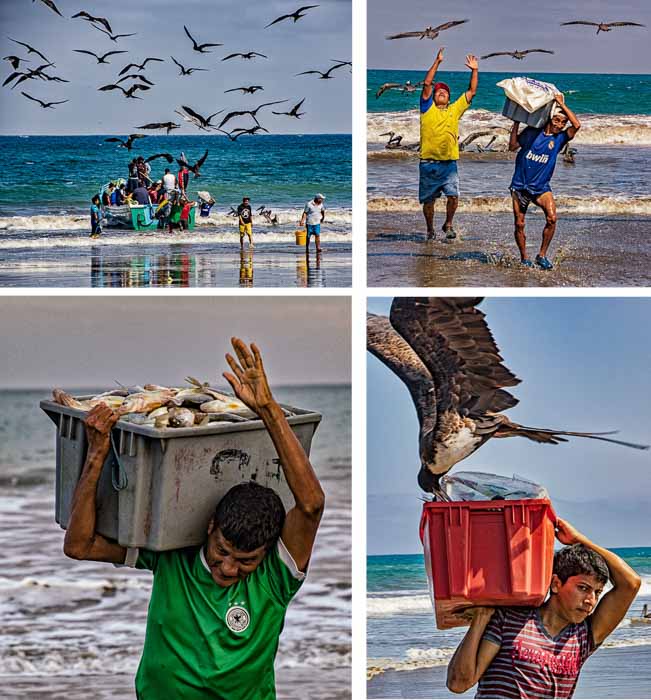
x: 293, y: 15
x: 252, y: 112
x: 604, y: 26
x: 516, y: 54
x: 443, y: 350
x: 195, y: 118
x: 428, y: 32
x: 140, y: 66
x: 112, y: 37
x: 246, y: 89
x: 15, y: 61
x: 90, y: 18
x: 127, y: 93
x: 168, y: 126
x: 394, y: 139
x: 324, y: 76
x: 249, y: 55
x: 193, y: 168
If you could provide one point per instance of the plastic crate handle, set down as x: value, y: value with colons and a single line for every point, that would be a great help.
x: 118, y: 476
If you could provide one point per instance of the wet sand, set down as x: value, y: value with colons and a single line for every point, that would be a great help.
x: 623, y: 672
x: 268, y: 265
x: 587, y: 251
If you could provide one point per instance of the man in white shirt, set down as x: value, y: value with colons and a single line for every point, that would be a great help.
x: 313, y: 215
x: 169, y: 180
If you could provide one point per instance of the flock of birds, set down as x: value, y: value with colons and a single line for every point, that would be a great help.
x: 141, y: 84
x: 445, y: 353
x: 433, y: 32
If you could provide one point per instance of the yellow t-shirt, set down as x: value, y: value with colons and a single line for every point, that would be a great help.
x: 439, y: 130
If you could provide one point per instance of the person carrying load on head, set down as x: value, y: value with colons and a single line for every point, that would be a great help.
x: 206, y: 203
x: 216, y: 610
x: 439, y: 144
x: 534, y: 167
x: 524, y: 652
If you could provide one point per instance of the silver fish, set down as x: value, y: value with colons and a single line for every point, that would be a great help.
x: 180, y: 417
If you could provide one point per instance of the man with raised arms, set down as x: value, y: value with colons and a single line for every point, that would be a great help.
x: 439, y: 144
x: 217, y: 610
x: 534, y: 167
x: 524, y: 652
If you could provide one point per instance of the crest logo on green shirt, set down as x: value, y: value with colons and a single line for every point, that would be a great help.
x: 237, y: 619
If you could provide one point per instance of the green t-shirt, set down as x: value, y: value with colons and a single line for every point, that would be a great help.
x: 204, y: 641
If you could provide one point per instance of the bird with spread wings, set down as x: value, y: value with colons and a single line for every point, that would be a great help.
x: 444, y: 351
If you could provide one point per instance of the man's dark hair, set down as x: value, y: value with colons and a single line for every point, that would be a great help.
x: 167, y: 170
x: 96, y: 198
x: 250, y: 516
x: 579, y: 559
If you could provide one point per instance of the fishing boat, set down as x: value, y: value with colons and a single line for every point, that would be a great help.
x: 136, y: 217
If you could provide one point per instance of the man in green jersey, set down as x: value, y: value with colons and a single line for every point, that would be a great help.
x: 216, y: 611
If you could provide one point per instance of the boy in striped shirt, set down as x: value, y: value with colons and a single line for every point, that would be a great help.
x: 523, y: 652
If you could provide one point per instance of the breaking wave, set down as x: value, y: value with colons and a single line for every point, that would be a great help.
x: 574, y: 205
x: 596, y: 129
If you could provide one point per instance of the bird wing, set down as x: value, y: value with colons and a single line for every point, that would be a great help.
x: 111, y: 53
x: 190, y: 36
x: 235, y: 90
x: 90, y: 53
x: 192, y: 113
x: 160, y: 60
x: 114, y: 139
x: 454, y: 342
x: 308, y: 72
x: 59, y: 103
x: 201, y: 160
x: 383, y: 341
x: 497, y: 53
x: 169, y: 158
x: 126, y: 68
x: 29, y: 97
x: 625, y: 24
x: 255, y: 53
x: 537, y: 51
x: 232, y: 55
x: 15, y: 74
x: 448, y: 25
x: 386, y: 86
x: 580, y: 21
x: 52, y: 6
x: 177, y: 63
x: 103, y: 21
x: 404, y: 35
x: 278, y: 19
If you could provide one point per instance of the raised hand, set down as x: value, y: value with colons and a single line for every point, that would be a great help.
x: 559, y: 99
x: 99, y: 423
x: 471, y: 62
x: 566, y: 533
x: 439, y: 55
x: 250, y: 381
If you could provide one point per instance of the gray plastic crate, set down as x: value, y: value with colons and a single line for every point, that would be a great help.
x: 160, y: 488
x: 537, y: 119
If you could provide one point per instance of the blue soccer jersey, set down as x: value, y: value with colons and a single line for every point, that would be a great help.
x: 536, y: 159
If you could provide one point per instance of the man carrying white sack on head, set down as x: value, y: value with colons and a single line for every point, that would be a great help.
x: 534, y: 167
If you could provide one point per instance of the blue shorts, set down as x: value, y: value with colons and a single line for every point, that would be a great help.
x: 437, y: 177
x: 313, y: 229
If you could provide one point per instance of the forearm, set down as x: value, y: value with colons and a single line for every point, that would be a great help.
x: 429, y: 79
x: 513, y: 137
x: 474, y: 82
x: 80, y: 532
x: 622, y: 576
x: 574, y: 121
x: 295, y: 464
x: 463, y: 668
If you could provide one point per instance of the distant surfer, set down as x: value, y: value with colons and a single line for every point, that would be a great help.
x: 439, y: 143
x: 534, y: 167
x: 95, y: 217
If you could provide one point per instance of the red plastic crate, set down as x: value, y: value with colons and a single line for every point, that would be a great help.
x: 487, y: 553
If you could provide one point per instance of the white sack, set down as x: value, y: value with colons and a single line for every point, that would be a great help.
x: 529, y: 93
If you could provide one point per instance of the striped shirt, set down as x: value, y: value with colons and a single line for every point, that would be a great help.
x: 530, y: 662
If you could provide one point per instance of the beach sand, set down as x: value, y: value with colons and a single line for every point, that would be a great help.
x: 623, y: 672
x: 183, y: 265
x: 588, y: 251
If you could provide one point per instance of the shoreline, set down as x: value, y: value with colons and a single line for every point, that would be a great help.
x: 621, y: 672
x: 587, y: 251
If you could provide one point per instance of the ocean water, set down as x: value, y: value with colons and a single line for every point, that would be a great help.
x: 401, y: 629
x: 47, y: 183
x: 611, y: 171
x: 66, y: 621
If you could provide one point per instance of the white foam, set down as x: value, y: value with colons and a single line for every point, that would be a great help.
x: 397, y: 605
x: 414, y: 659
x: 596, y: 129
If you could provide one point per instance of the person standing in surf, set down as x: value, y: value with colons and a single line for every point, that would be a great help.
x: 439, y: 143
x: 534, y: 167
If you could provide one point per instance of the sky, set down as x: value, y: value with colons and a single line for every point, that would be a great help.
x: 584, y: 366
x: 74, y: 342
x: 323, y: 34
x: 511, y: 25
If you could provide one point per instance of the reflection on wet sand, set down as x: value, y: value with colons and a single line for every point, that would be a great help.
x: 309, y: 272
x: 173, y: 269
x: 246, y: 268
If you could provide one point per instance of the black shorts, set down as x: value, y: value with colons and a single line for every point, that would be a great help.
x: 525, y: 198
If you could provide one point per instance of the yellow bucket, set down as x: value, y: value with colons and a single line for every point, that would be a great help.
x: 301, y: 236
